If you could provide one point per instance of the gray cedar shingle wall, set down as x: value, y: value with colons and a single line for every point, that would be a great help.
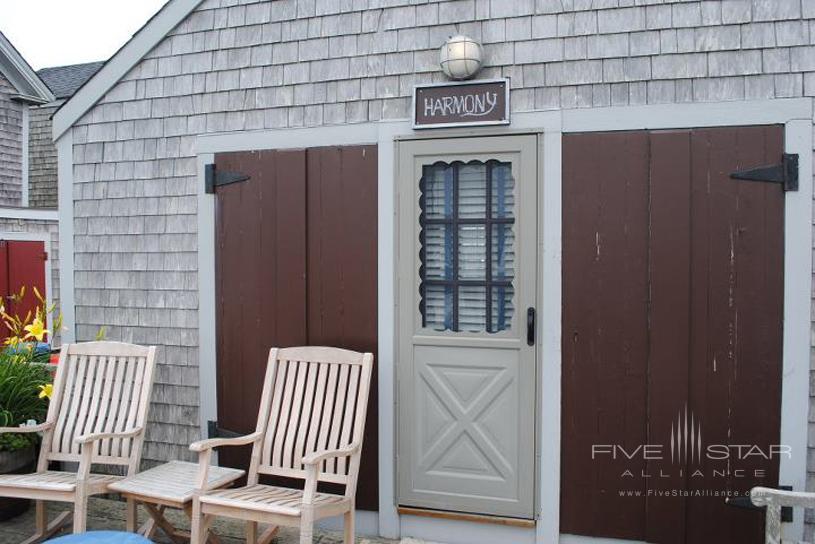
x: 234, y: 66
x: 42, y: 153
x: 11, y: 137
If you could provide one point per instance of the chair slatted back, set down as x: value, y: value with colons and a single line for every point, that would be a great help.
x: 314, y: 399
x: 99, y: 387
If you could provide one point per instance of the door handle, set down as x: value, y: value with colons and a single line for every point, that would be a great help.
x: 530, y: 326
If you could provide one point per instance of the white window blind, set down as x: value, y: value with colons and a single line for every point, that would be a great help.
x: 467, y: 246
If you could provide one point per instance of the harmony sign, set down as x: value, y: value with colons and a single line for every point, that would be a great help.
x: 484, y: 102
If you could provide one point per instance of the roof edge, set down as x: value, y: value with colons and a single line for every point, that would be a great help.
x: 21, y: 75
x: 148, y: 36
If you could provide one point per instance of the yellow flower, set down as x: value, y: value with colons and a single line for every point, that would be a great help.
x: 46, y: 391
x: 36, y: 329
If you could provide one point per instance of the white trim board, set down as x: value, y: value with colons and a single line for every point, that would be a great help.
x: 795, y: 113
x: 366, y: 523
x: 33, y: 214
x: 704, y: 114
x: 65, y: 200
x: 207, y: 341
x: 294, y: 138
x: 795, y: 396
x: 20, y: 74
x: 549, y: 347
x: 156, y: 29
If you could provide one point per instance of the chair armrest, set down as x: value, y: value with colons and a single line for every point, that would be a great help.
x: 312, y: 463
x: 93, y: 437
x: 203, y: 445
x: 319, y: 456
x: 27, y: 429
x: 765, y: 496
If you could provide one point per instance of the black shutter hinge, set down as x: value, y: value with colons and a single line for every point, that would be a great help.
x: 214, y: 178
x: 785, y: 173
x: 213, y: 431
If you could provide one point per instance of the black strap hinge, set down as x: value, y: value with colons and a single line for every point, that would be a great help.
x: 215, y: 178
x: 785, y: 173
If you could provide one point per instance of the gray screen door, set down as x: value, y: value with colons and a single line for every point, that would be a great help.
x: 466, y: 282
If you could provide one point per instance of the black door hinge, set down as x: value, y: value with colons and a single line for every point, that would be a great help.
x: 214, y: 178
x: 213, y: 431
x: 785, y: 173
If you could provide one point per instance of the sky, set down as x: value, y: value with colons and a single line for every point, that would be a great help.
x: 60, y: 32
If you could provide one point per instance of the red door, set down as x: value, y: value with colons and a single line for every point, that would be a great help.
x: 673, y: 284
x: 22, y: 264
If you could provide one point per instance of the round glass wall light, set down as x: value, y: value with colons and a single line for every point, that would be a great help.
x: 461, y: 57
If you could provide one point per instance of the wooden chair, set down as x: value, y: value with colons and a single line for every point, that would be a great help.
x: 97, y: 415
x: 310, y: 426
x: 774, y: 500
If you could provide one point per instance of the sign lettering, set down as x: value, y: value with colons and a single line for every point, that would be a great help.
x: 458, y: 104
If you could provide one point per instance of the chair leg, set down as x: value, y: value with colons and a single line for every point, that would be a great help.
x: 41, y: 516
x: 198, y: 532
x: 306, y: 526
x: 80, y: 511
x: 251, y: 532
x: 131, y: 516
x: 40, y: 523
x: 47, y: 530
x: 349, y: 527
x: 268, y: 535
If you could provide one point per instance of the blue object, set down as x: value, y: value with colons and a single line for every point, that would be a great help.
x: 39, y: 348
x: 101, y: 537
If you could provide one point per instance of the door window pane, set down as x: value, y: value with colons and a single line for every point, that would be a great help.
x: 438, y: 263
x: 472, y: 306
x: 467, y: 246
x: 503, y: 257
x: 501, y: 307
x: 503, y: 200
x: 437, y: 305
x: 472, y: 252
x: 438, y: 191
x: 472, y: 198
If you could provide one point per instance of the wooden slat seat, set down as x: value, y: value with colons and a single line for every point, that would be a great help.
x: 276, y: 500
x: 171, y: 485
x: 55, y: 481
x: 310, y: 427
x: 96, y: 416
x: 174, y: 482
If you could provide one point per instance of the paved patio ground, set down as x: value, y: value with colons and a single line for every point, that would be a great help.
x: 108, y: 514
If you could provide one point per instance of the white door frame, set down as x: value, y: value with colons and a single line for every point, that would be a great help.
x: 795, y: 114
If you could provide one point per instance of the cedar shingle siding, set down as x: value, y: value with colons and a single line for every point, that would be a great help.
x: 11, y: 148
x: 240, y: 65
x: 42, y: 164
